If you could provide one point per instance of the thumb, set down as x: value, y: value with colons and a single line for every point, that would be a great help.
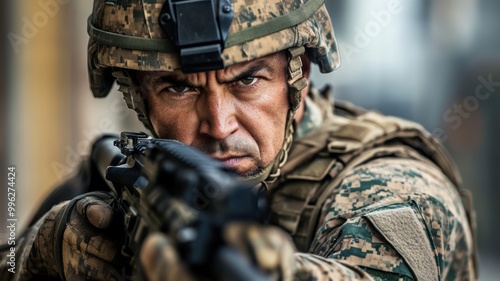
x: 97, y: 212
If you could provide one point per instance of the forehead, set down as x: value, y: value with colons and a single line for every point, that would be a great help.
x: 272, y: 64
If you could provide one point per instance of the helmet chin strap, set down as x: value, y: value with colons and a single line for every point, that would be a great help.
x: 133, y: 98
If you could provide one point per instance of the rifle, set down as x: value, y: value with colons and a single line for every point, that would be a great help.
x: 164, y: 185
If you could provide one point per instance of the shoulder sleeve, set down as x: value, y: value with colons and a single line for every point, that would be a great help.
x: 399, y: 217
x: 14, y: 259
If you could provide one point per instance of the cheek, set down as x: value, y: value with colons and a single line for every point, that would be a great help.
x: 171, y: 123
x: 271, y: 125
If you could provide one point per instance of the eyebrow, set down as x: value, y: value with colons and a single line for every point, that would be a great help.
x: 157, y: 82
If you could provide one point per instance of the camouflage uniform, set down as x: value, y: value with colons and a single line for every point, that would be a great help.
x: 394, y: 214
x: 393, y: 217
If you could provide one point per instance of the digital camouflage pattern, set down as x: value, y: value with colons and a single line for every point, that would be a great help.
x: 268, y: 247
x: 90, y: 250
x: 91, y: 247
x: 35, y: 250
x: 348, y: 244
x: 346, y: 234
x: 139, y: 18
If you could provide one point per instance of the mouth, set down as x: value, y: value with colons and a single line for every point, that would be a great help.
x: 236, y: 163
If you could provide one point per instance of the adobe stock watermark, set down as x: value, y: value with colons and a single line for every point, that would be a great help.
x: 455, y: 115
x: 31, y: 26
x: 364, y: 36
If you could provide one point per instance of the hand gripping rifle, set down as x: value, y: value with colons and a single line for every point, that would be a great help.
x: 166, y: 186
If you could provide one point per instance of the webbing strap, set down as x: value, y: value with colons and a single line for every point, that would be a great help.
x: 165, y: 45
x: 351, y: 143
x: 129, y: 42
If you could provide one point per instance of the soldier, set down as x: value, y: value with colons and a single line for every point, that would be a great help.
x: 355, y: 195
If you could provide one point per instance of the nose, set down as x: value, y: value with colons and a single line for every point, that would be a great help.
x: 218, y: 114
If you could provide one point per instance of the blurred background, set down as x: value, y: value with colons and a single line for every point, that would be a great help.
x: 435, y: 62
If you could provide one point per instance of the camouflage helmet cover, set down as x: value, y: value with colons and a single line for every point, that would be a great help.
x: 129, y: 34
x: 258, y: 28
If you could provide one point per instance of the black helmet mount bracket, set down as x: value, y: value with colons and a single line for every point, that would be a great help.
x: 199, y: 29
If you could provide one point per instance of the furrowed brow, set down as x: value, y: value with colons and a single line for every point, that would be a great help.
x: 167, y: 79
x: 249, y: 72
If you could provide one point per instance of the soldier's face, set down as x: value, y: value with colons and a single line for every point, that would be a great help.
x: 236, y: 115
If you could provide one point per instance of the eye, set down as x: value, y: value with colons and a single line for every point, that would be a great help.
x: 247, y: 81
x: 178, y: 89
x: 178, y: 92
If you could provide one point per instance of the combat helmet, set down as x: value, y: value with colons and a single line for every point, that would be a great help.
x: 203, y: 35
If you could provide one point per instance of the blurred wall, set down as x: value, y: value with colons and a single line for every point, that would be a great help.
x: 38, y: 116
x: 3, y: 106
x: 52, y: 116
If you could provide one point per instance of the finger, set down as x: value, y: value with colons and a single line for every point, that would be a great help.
x: 88, y: 240
x: 160, y: 261
x: 271, y: 248
x: 78, y: 266
x: 252, y: 240
x: 235, y: 235
x: 97, y: 212
x: 265, y: 251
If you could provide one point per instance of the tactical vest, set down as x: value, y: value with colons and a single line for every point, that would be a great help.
x: 319, y: 161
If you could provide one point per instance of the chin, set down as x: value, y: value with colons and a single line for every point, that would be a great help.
x: 252, y: 173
